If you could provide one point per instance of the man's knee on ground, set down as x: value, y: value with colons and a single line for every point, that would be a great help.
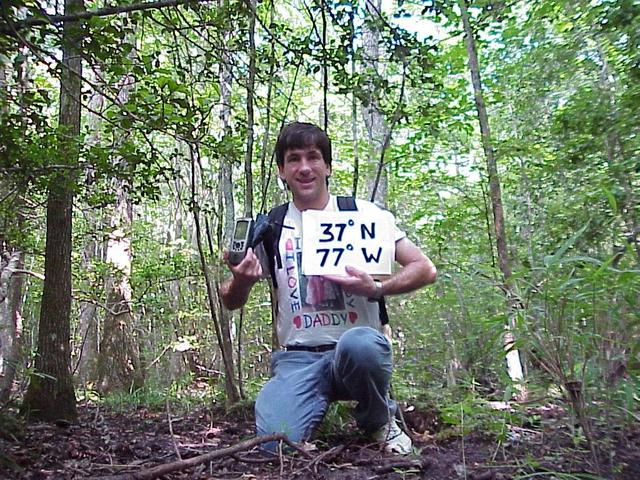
x: 365, y: 346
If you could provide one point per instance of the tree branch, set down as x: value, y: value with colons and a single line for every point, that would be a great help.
x: 102, y: 12
x: 98, y: 304
x: 20, y: 271
x: 164, y: 469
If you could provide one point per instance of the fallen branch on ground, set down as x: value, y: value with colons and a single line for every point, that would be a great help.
x: 323, y: 457
x: 158, y: 471
x: 417, y: 464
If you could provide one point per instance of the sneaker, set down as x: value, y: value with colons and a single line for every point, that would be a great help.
x: 393, y: 438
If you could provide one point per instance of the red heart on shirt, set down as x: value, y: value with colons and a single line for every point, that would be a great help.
x: 353, y: 316
x: 297, y: 321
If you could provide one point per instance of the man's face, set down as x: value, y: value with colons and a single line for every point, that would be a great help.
x: 305, y: 172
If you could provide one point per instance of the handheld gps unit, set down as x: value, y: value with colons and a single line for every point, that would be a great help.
x: 241, y: 240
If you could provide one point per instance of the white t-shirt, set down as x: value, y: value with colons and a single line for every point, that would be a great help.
x: 311, y: 310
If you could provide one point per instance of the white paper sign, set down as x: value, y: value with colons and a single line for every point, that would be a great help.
x: 333, y: 240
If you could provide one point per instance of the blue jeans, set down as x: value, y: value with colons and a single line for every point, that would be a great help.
x: 297, y: 396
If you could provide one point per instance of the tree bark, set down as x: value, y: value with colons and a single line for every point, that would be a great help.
x: 373, y: 117
x: 118, y: 360
x: 248, y: 159
x: 119, y: 367
x: 219, y: 315
x: 93, y: 250
x: 514, y: 365
x: 324, y: 108
x: 51, y: 395
x: 266, y: 170
x: 354, y: 108
x: 11, y: 286
x: 88, y: 347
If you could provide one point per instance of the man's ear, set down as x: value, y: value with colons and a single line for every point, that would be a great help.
x: 282, y: 184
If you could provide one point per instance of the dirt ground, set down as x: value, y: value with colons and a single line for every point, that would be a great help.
x: 107, y: 443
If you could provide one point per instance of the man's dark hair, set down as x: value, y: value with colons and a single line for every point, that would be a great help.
x: 301, y: 135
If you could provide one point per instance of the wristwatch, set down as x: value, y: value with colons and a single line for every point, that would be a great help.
x: 378, y: 294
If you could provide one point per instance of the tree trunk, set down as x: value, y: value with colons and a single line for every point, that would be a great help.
x: 354, y: 108
x: 514, y: 365
x: 222, y: 316
x: 177, y: 360
x: 118, y: 360
x: 225, y: 204
x: 119, y: 366
x: 248, y: 160
x: 453, y: 365
x: 87, y: 350
x: 3, y: 89
x: 373, y: 118
x: 266, y: 170
x: 219, y: 315
x: 324, y: 71
x: 50, y: 395
x: 88, y: 322
x: 11, y: 286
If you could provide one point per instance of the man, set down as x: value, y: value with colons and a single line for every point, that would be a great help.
x: 325, y: 361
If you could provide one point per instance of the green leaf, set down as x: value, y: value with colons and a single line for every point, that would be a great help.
x: 555, y: 258
x: 612, y: 199
x: 604, y: 266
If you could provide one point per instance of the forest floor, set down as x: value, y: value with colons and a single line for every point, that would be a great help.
x: 114, y: 442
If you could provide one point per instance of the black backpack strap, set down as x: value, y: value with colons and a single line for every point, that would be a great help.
x: 276, y: 219
x: 347, y: 204
x: 384, y: 316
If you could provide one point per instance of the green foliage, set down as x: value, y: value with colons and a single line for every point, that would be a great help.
x: 182, y: 395
x: 11, y: 428
x: 471, y: 415
x: 338, y: 421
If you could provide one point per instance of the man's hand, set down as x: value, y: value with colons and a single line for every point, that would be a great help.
x: 235, y: 291
x: 356, y: 282
x: 417, y: 271
x: 249, y: 270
